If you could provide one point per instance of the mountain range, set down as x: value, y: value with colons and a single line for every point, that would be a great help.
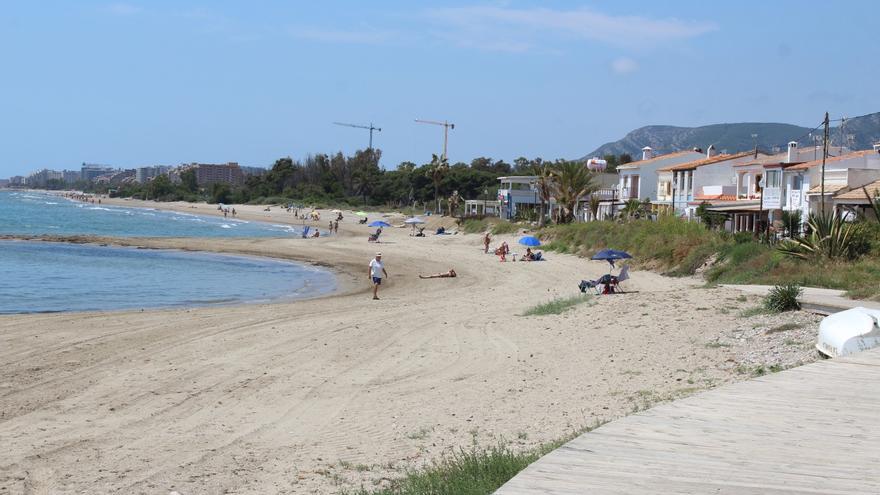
x: 857, y: 132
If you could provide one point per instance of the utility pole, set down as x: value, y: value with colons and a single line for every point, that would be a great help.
x: 446, y: 126
x: 755, y: 139
x: 370, y: 127
x: 824, y: 156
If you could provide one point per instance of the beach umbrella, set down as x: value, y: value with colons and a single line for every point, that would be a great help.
x: 361, y: 213
x: 530, y: 240
x: 610, y: 255
x: 335, y: 211
x: 413, y: 221
x: 379, y: 223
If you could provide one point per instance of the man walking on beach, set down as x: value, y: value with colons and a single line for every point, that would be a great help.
x: 377, y: 270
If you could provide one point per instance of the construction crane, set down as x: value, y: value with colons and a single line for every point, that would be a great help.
x: 370, y: 127
x: 446, y: 126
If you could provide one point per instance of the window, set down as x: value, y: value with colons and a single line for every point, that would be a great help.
x: 758, y: 183
x: 774, y: 178
x: 797, y: 183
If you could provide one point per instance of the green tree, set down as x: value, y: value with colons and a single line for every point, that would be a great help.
x: 188, y: 180
x: 437, y: 170
x: 220, y: 192
x: 712, y: 219
x: 572, y: 181
x: 159, y: 187
x: 624, y: 158
x: 365, y: 172
x: 612, y: 162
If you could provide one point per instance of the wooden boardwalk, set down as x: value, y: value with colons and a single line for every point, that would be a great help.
x: 812, y: 429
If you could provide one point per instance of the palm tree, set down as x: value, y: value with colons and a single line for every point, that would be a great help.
x: 631, y: 209
x: 571, y: 182
x: 437, y: 170
x: 594, y: 206
x: 543, y: 185
x: 453, y: 202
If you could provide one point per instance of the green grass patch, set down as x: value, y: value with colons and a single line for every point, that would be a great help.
x: 475, y: 471
x: 490, y: 224
x: 556, y: 306
x: 677, y: 247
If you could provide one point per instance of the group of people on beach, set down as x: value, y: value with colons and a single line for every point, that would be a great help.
x: 503, y: 250
x: 85, y: 198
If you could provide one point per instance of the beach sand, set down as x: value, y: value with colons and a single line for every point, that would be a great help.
x: 339, y: 392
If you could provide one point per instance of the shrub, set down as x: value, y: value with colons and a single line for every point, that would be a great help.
x: 829, y: 236
x: 783, y: 298
x: 743, y: 237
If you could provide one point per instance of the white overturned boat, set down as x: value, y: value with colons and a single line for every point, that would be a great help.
x: 849, y: 332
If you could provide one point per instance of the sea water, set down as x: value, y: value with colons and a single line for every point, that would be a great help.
x: 38, y: 277
x: 34, y: 213
x: 52, y: 276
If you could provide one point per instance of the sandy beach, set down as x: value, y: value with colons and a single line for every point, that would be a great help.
x: 343, y: 391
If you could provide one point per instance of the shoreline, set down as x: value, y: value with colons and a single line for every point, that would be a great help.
x: 156, y: 244
x: 320, y: 394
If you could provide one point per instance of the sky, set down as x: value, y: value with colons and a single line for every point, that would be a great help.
x: 139, y: 83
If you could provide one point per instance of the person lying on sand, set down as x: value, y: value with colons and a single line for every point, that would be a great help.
x: 449, y: 274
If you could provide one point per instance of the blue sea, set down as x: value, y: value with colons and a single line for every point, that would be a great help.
x: 40, y: 277
x: 28, y: 213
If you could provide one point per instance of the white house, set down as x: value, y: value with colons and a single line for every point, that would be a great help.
x: 803, y: 182
x: 638, y: 180
x: 711, y: 178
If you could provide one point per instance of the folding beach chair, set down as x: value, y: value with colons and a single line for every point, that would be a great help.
x: 624, y: 275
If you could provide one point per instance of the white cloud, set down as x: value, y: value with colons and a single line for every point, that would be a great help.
x: 124, y: 9
x: 624, y: 65
x: 360, y: 37
x: 488, y: 26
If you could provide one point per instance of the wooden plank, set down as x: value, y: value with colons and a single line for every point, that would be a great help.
x: 812, y: 429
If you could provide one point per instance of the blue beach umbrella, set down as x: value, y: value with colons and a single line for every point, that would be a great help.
x: 610, y: 255
x: 530, y: 240
x: 379, y: 223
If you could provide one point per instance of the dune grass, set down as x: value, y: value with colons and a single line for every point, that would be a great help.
x: 557, y: 306
x: 490, y: 224
x: 475, y: 471
x: 676, y: 247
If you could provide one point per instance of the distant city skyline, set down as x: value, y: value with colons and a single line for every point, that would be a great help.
x: 134, y: 84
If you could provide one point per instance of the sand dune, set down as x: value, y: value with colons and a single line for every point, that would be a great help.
x: 311, y: 396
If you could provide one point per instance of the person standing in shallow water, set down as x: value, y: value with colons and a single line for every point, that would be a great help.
x: 377, y: 270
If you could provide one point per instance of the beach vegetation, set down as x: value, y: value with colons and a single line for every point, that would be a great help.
x: 570, y: 181
x: 680, y: 248
x: 557, y: 306
x: 478, y: 470
x: 492, y: 225
x: 829, y: 236
x: 783, y: 298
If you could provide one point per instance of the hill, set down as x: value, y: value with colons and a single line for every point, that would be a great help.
x: 859, y: 132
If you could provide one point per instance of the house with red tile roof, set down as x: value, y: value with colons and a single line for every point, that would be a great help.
x: 685, y: 186
x: 638, y: 180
